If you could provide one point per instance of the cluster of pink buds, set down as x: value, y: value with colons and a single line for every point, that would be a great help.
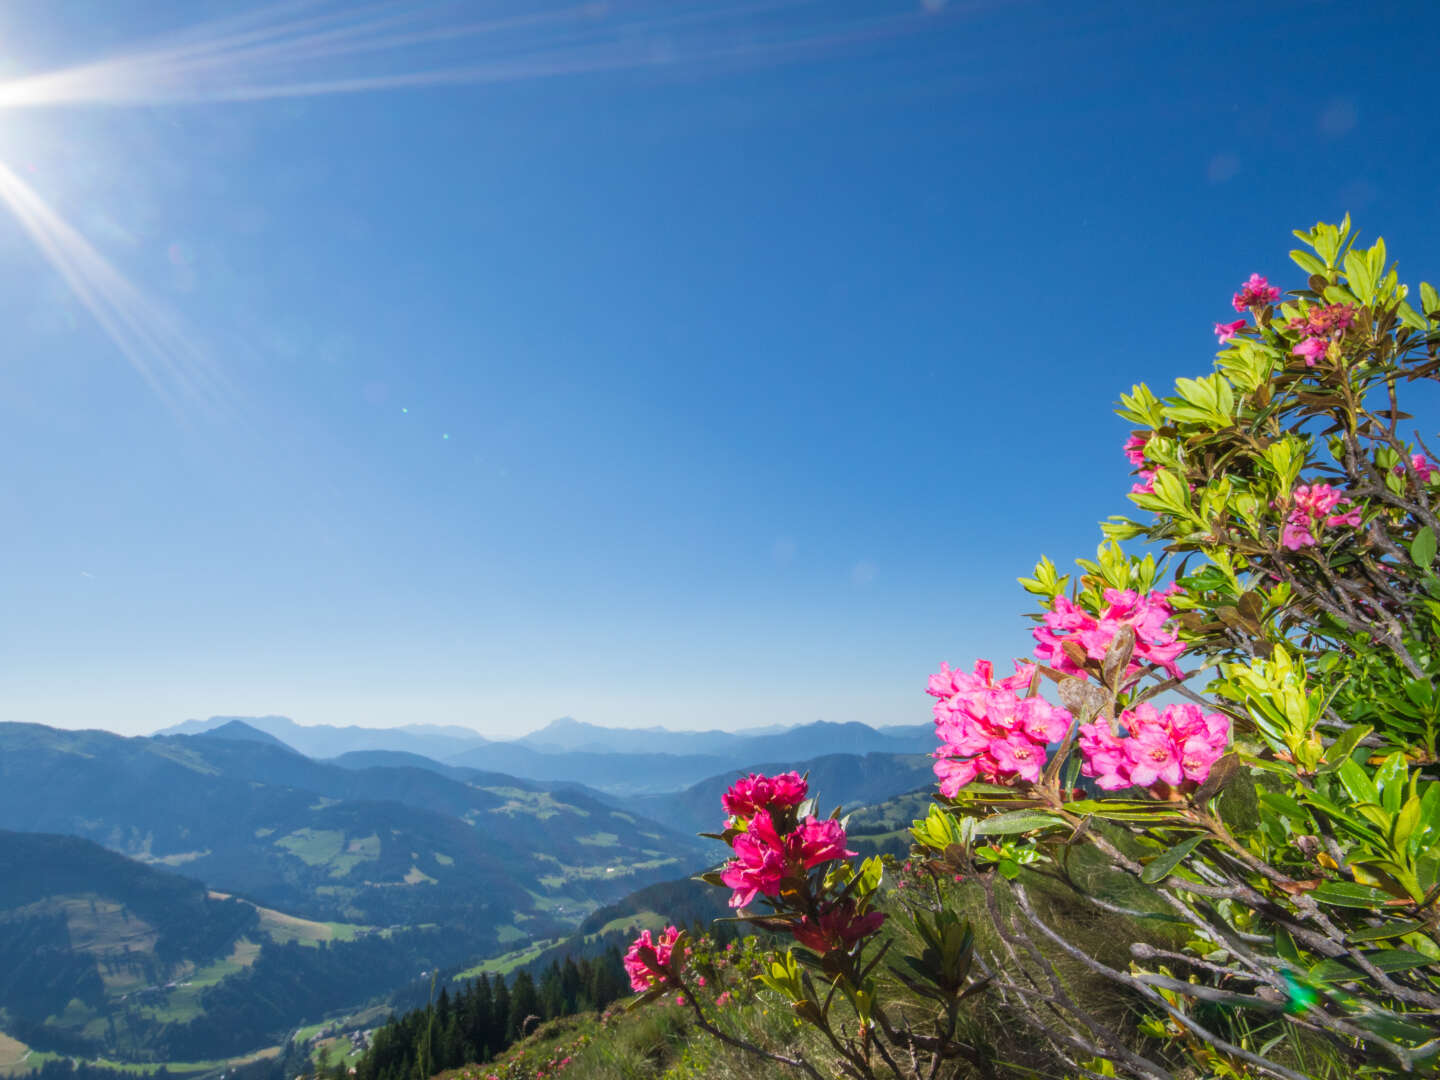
x: 1312, y: 510
x: 988, y: 729
x: 1147, y: 614
x: 648, y: 961
x: 1171, y: 747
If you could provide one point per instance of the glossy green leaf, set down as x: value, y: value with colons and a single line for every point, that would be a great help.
x: 1015, y: 821
x: 1349, y: 894
x: 1422, y: 548
x: 1158, y: 868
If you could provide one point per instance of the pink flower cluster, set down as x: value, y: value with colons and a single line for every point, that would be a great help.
x: 1147, y: 615
x: 1423, y: 466
x: 988, y: 729
x: 1312, y: 511
x: 645, y: 955
x: 764, y: 857
x: 1257, y: 292
x: 1318, y: 327
x: 1135, y: 454
x: 1171, y: 747
x: 754, y: 793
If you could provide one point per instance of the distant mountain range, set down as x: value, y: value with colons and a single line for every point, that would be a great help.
x: 327, y: 740
x: 620, y: 761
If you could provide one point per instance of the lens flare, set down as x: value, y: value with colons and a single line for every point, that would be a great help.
x: 150, y: 338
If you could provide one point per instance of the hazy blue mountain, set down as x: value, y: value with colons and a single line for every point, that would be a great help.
x: 328, y: 741
x: 850, y: 780
x: 651, y: 772
x: 616, y: 773
x: 240, y: 731
x: 568, y: 735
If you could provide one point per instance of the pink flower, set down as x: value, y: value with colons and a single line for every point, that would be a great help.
x: 700, y: 979
x: 1257, y: 292
x: 1019, y: 755
x: 1135, y: 448
x: 1147, y: 615
x: 1323, y: 321
x: 986, y: 728
x: 819, y: 842
x: 759, y: 862
x: 679, y: 999
x: 838, y: 927
x: 723, y: 999
x: 763, y: 858
x: 756, y: 792
x: 1146, y: 484
x: 1423, y: 466
x: 1311, y: 349
x: 1176, y: 746
x: 647, y: 959
x: 1153, y: 756
x: 1312, y: 507
x: 1225, y: 331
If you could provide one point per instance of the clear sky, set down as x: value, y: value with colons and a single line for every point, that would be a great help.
x: 695, y: 362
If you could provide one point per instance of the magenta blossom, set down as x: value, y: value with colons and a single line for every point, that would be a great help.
x: 986, y: 728
x: 756, y: 792
x: 1147, y: 615
x: 1312, y: 511
x: 1226, y: 331
x: 1257, y: 292
x: 1312, y: 349
x: 764, y: 858
x: 1135, y: 448
x: 1173, y: 747
x: 1146, y: 484
x: 759, y: 862
x: 645, y: 955
x: 1423, y: 466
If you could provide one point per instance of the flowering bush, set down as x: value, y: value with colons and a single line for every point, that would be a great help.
x: 1265, y: 821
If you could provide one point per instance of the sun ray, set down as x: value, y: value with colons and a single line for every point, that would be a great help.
x: 303, y: 49
x: 151, y: 338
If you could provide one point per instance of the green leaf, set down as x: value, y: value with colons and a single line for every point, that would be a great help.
x: 1307, y: 262
x: 1015, y: 821
x: 1338, y: 752
x: 1422, y: 548
x: 1357, y: 782
x: 1429, y: 299
x: 1389, y: 930
x: 1348, y: 894
x: 1390, y: 778
x: 1158, y: 868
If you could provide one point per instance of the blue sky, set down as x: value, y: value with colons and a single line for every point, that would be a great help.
x: 692, y: 363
